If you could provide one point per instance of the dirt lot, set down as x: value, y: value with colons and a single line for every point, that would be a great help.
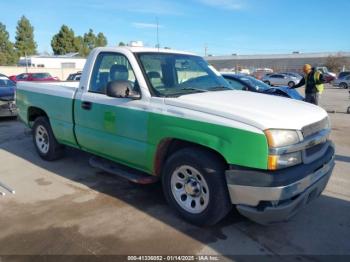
x: 67, y: 207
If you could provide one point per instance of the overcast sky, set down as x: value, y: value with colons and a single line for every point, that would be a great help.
x: 225, y: 26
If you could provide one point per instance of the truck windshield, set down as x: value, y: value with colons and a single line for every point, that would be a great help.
x: 179, y: 74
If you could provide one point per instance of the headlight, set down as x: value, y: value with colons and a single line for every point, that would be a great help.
x: 280, y: 138
x: 282, y: 161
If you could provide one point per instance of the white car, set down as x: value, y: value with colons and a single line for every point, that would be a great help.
x: 280, y: 80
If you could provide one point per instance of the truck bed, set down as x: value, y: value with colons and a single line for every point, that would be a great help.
x: 56, y: 99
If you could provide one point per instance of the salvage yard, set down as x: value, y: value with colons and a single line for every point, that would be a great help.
x: 67, y: 207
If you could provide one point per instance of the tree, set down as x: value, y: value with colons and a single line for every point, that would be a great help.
x: 25, y: 44
x: 64, y: 41
x: 121, y: 44
x: 90, y: 39
x: 7, y: 52
x: 335, y: 63
x: 81, y: 47
x: 101, y: 40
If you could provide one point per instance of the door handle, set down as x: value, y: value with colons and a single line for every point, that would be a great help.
x: 86, y: 105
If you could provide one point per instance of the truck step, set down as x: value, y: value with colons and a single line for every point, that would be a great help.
x: 132, y: 175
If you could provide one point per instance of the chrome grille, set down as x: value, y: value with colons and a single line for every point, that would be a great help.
x: 315, y: 127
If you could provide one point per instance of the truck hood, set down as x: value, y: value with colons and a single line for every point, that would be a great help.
x: 258, y: 110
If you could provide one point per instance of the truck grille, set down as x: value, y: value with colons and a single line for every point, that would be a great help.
x: 315, y: 128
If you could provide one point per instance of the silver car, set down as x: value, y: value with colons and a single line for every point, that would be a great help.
x: 342, y: 82
x: 280, y: 80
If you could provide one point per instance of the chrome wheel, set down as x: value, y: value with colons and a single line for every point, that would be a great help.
x: 190, y: 189
x: 42, y: 139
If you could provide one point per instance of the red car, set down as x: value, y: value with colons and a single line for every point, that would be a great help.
x: 33, y: 77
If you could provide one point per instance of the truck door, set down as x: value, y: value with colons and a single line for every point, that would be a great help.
x: 114, y: 128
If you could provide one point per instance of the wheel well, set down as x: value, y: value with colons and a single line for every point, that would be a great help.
x: 34, y: 113
x: 168, y: 146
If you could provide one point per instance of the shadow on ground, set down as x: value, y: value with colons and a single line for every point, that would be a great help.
x: 323, y: 228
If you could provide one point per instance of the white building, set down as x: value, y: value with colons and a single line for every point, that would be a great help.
x: 71, y: 60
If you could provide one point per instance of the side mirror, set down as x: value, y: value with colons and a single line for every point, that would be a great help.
x: 121, y: 89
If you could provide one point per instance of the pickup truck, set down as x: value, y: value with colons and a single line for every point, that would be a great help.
x: 152, y: 114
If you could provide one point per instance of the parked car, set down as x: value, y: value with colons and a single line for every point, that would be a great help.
x: 342, y: 82
x: 343, y: 74
x: 7, y: 97
x: 168, y: 115
x: 249, y: 83
x: 259, y: 73
x: 297, y: 75
x: 324, y: 70
x: 74, y: 77
x: 33, y: 77
x: 280, y: 80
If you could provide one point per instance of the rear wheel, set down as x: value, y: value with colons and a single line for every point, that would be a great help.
x: 194, y: 185
x: 343, y: 85
x: 291, y: 84
x: 44, y: 140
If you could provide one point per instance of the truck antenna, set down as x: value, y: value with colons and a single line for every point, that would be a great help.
x: 157, y: 32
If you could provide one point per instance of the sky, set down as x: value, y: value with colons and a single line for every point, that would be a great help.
x: 224, y: 26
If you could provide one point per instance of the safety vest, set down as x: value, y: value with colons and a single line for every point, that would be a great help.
x: 319, y: 87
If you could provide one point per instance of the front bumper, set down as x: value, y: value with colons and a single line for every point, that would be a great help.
x: 271, y: 197
x: 8, y: 109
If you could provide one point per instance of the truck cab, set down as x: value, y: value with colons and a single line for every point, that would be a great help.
x: 169, y: 115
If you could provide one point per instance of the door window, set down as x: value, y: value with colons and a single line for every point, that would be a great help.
x: 235, y: 84
x: 111, y: 67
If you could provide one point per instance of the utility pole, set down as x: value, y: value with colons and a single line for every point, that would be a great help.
x: 205, y: 49
x: 157, y: 33
x: 25, y: 55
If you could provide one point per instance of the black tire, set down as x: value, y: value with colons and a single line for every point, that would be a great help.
x: 211, y: 168
x: 291, y: 84
x: 343, y: 85
x: 267, y: 82
x: 54, y: 150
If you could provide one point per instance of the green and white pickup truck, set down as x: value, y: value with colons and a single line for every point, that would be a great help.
x: 151, y: 114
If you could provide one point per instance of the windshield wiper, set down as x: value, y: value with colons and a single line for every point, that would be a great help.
x: 216, y: 88
x: 193, y: 89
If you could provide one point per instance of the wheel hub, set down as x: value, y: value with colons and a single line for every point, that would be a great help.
x: 193, y: 187
x: 190, y: 189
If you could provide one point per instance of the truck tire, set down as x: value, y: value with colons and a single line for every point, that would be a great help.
x: 44, y: 140
x: 194, y: 185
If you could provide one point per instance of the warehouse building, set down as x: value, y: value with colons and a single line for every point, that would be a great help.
x: 277, y: 62
x: 71, y: 60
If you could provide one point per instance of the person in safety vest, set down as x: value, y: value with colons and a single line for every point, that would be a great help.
x: 313, y: 81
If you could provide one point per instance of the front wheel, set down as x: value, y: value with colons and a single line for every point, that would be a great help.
x: 291, y: 84
x: 194, y: 185
x: 44, y: 140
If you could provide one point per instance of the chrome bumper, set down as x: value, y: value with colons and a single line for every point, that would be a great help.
x: 8, y: 108
x: 266, y: 205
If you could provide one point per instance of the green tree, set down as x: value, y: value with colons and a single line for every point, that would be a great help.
x: 80, y: 46
x: 7, y: 52
x: 101, y: 40
x: 25, y: 43
x: 90, y: 40
x: 121, y: 44
x: 64, y: 41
